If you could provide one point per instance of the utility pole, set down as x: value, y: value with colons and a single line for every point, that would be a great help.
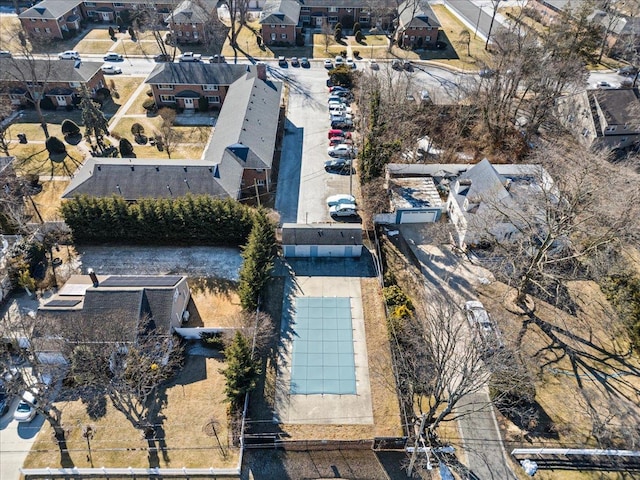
x: 414, y: 455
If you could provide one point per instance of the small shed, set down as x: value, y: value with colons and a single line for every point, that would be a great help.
x: 321, y: 240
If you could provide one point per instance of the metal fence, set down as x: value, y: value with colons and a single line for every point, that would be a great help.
x: 130, y: 472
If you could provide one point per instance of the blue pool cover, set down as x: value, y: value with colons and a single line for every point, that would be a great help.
x: 323, y: 360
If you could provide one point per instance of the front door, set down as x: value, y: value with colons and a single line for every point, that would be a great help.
x: 62, y: 100
x: 106, y: 16
x: 319, y: 21
x: 188, y: 103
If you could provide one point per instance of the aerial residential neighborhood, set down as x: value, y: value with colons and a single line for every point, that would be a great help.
x: 271, y: 239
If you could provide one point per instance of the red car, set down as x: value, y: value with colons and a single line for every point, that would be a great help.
x: 334, y: 132
x: 338, y: 140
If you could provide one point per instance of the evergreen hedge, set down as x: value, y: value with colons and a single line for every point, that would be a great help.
x: 189, y: 220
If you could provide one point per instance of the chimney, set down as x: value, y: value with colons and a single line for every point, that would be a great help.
x: 94, y: 277
x: 261, y: 69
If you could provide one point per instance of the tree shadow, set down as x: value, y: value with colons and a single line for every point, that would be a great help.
x: 73, y: 139
x: 219, y: 286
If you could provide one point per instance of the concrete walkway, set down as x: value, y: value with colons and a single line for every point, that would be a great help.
x: 124, y: 108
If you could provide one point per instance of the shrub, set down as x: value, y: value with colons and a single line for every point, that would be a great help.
x: 259, y: 40
x: 149, y: 93
x: 359, y: 36
x: 137, y: 130
x: 338, y: 35
x: 356, y: 53
x: 212, y: 340
x: 203, y: 104
x: 55, y: 146
x: 69, y: 127
x: 125, y: 147
x: 241, y: 371
x: 47, y: 104
x: 300, y: 40
x: 112, y: 32
x: 356, y: 28
x: 343, y: 53
x: 149, y: 104
x: 132, y: 34
x: 394, y: 296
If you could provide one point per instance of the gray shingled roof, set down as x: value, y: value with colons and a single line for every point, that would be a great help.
x: 321, y: 234
x: 417, y: 15
x: 280, y: 12
x: 486, y: 183
x: 141, y: 178
x: 51, y: 9
x: 348, y: 3
x: 190, y: 11
x: 22, y: 70
x: 619, y: 106
x: 246, y: 129
x: 195, y: 73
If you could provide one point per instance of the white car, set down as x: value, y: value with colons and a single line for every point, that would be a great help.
x: 482, y: 325
x: 343, y: 210
x: 190, y: 57
x: 110, y: 69
x: 339, y: 60
x: 351, y: 63
x: 342, y: 150
x: 340, y: 199
x: 25, y: 412
x: 604, y: 86
x: 113, y: 57
x: 328, y: 64
x: 69, y: 55
x: 373, y: 65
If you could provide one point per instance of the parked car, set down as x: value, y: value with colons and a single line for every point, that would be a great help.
x: 343, y: 210
x: 328, y: 64
x: 338, y: 88
x: 338, y: 140
x: 5, y: 54
x: 161, y: 57
x: 482, y: 326
x: 486, y: 73
x: 628, y: 70
x: 10, y: 375
x: 342, y: 150
x: 338, y: 165
x: 25, y: 412
x: 351, y: 63
x: 217, y: 59
x: 626, y: 83
x: 373, y: 65
x: 396, y: 65
x: 407, y: 65
x: 295, y: 62
x: 340, y: 199
x: 282, y: 61
x: 334, y: 132
x: 113, y: 57
x: 4, y: 400
x: 69, y: 55
x: 341, y: 123
x: 338, y: 60
x: 340, y: 109
x: 190, y: 57
x: 110, y: 69
x: 304, y: 62
x: 604, y: 86
x: 424, y: 96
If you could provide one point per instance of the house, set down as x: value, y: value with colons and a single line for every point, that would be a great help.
x: 467, y: 193
x: 237, y: 161
x: 194, y: 21
x: 187, y: 85
x: 317, y: 13
x: 109, y: 11
x: 91, y: 303
x: 553, y: 10
x: 321, y: 240
x: 602, y: 118
x: 52, y: 19
x: 279, y: 21
x: 61, y: 79
x: 417, y: 25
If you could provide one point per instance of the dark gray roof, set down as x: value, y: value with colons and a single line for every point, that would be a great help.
x: 559, y: 5
x: 280, y: 12
x: 22, y: 70
x: 485, y: 183
x: 141, y: 178
x: 417, y: 14
x: 349, y: 4
x: 247, y: 124
x: 50, y: 9
x: 193, y: 11
x: 619, y: 106
x: 196, y: 73
x: 321, y: 234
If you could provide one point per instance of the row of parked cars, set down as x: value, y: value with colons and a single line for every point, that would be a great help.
x: 341, y: 149
x: 25, y: 411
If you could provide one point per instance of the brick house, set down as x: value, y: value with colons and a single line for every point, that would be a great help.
x: 602, y: 118
x: 417, y: 25
x: 62, y: 79
x: 52, y: 19
x: 185, y: 84
x: 316, y: 13
x: 279, y: 22
x: 108, y: 11
x: 235, y: 163
x: 552, y: 10
x: 194, y: 21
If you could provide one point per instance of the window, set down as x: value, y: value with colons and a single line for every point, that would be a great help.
x: 333, y: 9
x: 427, y: 38
x: 333, y: 19
x: 305, y: 18
x: 273, y: 36
x: 364, y: 18
x: 37, y: 29
x: 179, y: 33
x: 91, y: 13
x: 623, y: 139
x: 260, y: 182
x: 187, y: 33
x: 211, y: 88
x: 412, y: 38
x: 168, y: 98
x: 305, y: 9
x: 213, y: 99
x: 74, y: 84
x: 283, y: 26
x: 272, y: 26
x: 89, y: 4
x: 283, y: 36
x: 164, y: 86
x: 47, y: 30
x: 610, y: 129
x: 33, y: 19
x: 118, y: 5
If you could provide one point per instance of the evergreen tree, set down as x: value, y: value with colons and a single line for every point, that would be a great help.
x: 95, y: 123
x: 241, y: 372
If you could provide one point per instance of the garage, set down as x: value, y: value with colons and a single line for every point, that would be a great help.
x: 428, y: 215
x: 321, y: 240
